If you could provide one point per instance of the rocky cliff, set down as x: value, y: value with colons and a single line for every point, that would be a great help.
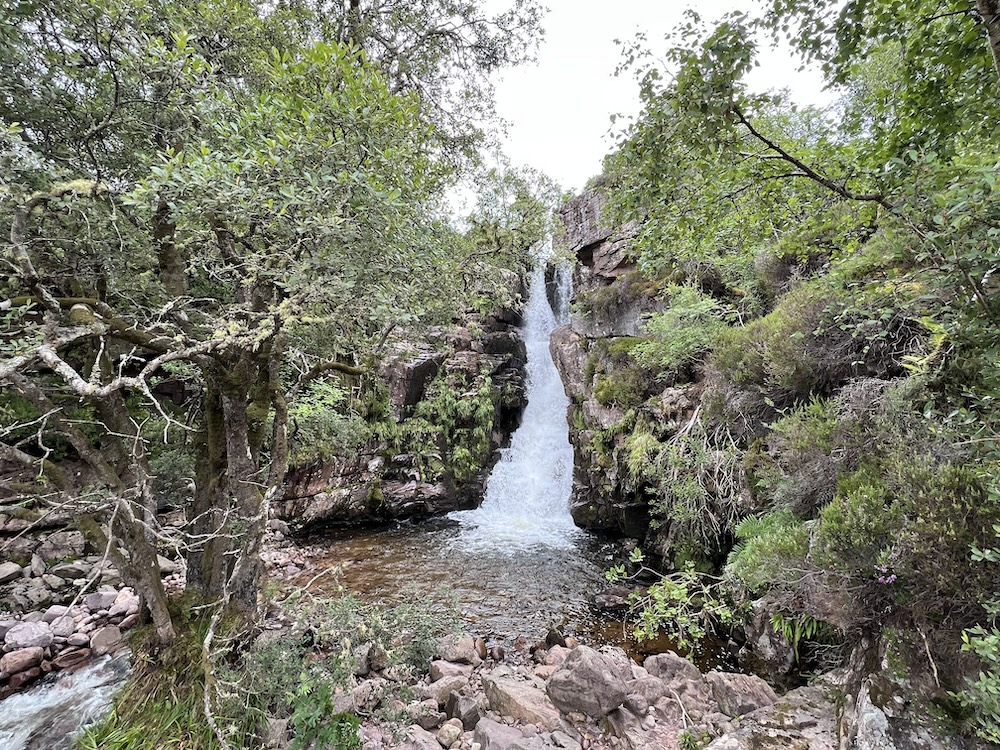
x: 610, y: 300
x: 447, y: 399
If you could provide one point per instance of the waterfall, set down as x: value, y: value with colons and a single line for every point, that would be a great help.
x: 527, y: 495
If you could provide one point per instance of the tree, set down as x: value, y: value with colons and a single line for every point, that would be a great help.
x: 200, y: 205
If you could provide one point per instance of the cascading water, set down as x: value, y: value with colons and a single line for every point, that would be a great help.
x: 527, y: 495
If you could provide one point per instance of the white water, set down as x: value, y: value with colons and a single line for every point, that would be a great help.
x: 50, y: 715
x: 526, y: 505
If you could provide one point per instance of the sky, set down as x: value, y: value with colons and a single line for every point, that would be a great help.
x: 559, y: 109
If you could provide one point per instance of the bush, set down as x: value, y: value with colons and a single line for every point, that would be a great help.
x: 682, y: 334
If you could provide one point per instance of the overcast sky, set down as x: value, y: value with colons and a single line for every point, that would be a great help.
x: 559, y: 109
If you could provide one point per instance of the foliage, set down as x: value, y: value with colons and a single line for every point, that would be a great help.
x: 685, y: 604
x: 770, y: 547
x: 240, y: 203
x: 681, y: 334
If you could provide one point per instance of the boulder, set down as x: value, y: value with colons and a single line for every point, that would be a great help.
x: 99, y: 600
x: 464, y: 709
x: 71, y: 658
x: 590, y: 682
x: 21, y: 660
x: 19, y: 680
x: 492, y: 735
x: 419, y: 738
x: 643, y: 692
x: 439, y: 690
x: 63, y: 627
x: 10, y: 571
x: 441, y: 668
x: 450, y: 732
x: 671, y: 667
x: 739, y: 694
x: 28, y: 635
x: 520, y: 700
x: 105, y: 640
x: 60, y: 545
x: 802, y: 719
x: 459, y: 648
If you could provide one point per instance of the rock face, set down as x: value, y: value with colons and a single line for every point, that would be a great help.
x: 376, y: 483
x: 610, y: 303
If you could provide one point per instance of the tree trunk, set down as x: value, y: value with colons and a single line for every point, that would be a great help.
x: 206, y: 522
x: 989, y: 10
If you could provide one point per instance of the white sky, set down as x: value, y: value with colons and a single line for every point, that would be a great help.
x: 559, y: 110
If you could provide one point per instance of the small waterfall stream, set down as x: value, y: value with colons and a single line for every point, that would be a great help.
x: 517, y: 565
x: 527, y: 494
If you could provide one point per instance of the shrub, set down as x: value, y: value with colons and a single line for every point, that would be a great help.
x: 682, y: 334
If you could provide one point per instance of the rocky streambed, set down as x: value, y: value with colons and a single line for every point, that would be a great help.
x: 578, y: 698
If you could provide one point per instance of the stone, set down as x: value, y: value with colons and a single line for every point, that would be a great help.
x: 73, y: 570
x: 590, y: 682
x: 419, y: 738
x: 671, y: 667
x: 53, y: 582
x: 464, y: 709
x: 439, y: 690
x: 643, y: 692
x: 492, y: 735
x: 19, y: 680
x: 277, y: 734
x: 99, y: 600
x: 78, y: 639
x: 563, y: 740
x: 28, y: 634
x: 440, y: 668
x: 6, y: 625
x: 54, y: 612
x: 556, y: 656
x: 459, y: 648
x: 72, y: 658
x: 739, y: 694
x: 60, y: 545
x: 63, y: 627
x: 530, y: 743
x: 105, y: 640
x: 10, y: 571
x: 167, y: 566
x: 378, y: 657
x: 450, y: 732
x: 128, y: 622
x: 126, y: 603
x: 520, y: 700
x: 21, y: 660
x: 426, y: 713
x: 803, y: 719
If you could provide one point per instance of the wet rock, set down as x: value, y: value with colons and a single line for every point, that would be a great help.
x: 105, y: 640
x: 19, y: 680
x: 72, y: 658
x: 21, y: 660
x: 492, y: 735
x: 739, y: 694
x: 460, y: 649
x: 28, y: 635
x: 520, y: 700
x: 464, y: 709
x: 441, y: 668
x: 590, y: 682
x: 9, y: 571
